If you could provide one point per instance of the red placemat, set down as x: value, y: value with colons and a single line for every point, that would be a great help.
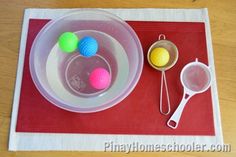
x: 139, y: 112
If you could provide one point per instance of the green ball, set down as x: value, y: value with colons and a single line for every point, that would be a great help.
x: 68, y: 42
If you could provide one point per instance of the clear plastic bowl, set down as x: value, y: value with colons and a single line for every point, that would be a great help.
x: 55, y: 73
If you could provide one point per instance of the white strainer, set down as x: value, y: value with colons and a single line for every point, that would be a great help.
x: 195, y: 78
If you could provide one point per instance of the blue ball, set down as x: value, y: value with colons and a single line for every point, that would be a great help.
x: 88, y: 46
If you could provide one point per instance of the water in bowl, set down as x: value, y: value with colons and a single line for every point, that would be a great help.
x: 72, y: 87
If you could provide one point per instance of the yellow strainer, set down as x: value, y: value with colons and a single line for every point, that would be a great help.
x: 173, y: 57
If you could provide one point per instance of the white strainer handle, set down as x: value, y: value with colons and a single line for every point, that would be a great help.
x: 174, y: 119
x: 163, y: 81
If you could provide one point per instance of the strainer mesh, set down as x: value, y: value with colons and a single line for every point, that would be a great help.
x: 196, y: 78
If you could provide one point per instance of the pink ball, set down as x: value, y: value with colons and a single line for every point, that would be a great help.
x: 100, y: 78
